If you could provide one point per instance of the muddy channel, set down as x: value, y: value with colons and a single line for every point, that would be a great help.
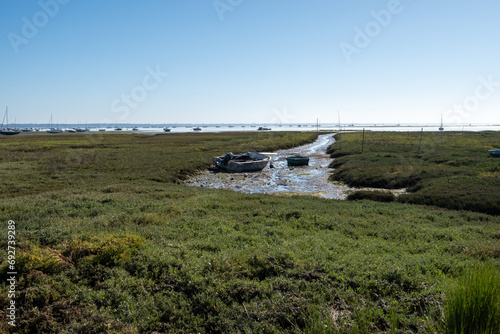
x: 278, y: 178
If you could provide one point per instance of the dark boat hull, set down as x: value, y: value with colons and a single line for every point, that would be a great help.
x: 494, y: 153
x: 297, y: 161
x: 9, y: 133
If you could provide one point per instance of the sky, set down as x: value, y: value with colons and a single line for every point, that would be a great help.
x: 250, y: 61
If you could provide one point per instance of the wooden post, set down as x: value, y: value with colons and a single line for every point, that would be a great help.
x: 363, y: 142
x: 340, y: 141
x: 420, y: 143
x: 340, y: 130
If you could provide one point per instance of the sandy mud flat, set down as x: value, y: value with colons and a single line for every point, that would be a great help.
x: 311, y: 180
x: 279, y: 178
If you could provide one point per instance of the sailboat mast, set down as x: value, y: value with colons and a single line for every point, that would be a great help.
x: 5, y: 120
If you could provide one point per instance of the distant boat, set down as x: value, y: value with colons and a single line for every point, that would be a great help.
x: 166, y: 129
x: 135, y: 129
x: 441, y: 128
x: 52, y: 129
x: 262, y: 128
x: 197, y: 129
x: 81, y: 129
x: 297, y: 160
x: 71, y: 130
x: 494, y: 153
x: 102, y: 129
x: 248, y: 162
x: 5, y: 125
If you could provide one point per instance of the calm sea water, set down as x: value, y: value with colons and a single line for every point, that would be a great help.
x: 294, y: 127
x: 250, y: 128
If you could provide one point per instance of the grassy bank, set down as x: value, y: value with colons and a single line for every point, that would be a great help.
x: 38, y: 163
x: 448, y: 169
x: 108, y: 247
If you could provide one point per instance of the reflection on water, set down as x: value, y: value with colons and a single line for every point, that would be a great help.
x: 311, y: 180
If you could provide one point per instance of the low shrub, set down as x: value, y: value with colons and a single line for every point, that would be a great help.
x: 376, y: 195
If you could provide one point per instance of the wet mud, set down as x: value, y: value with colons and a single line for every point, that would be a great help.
x: 278, y: 178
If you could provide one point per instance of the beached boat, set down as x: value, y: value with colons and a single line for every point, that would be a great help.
x: 166, y: 129
x: 262, y: 128
x: 197, y: 129
x: 297, y: 160
x: 494, y: 153
x: 8, y: 132
x: 248, y: 162
x: 5, y: 130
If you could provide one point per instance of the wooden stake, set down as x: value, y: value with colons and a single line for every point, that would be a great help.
x: 340, y: 130
x: 420, y: 143
x: 363, y: 142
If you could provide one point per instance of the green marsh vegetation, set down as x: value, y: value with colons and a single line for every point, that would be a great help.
x: 110, y: 241
x: 447, y: 169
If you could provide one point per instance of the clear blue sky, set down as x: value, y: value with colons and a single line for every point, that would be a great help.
x: 231, y: 61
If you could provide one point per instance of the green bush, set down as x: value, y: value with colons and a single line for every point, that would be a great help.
x: 376, y: 195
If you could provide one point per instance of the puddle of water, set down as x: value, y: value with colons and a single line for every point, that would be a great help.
x: 308, y: 180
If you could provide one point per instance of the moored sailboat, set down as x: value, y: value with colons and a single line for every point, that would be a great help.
x: 52, y: 129
x: 5, y: 130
